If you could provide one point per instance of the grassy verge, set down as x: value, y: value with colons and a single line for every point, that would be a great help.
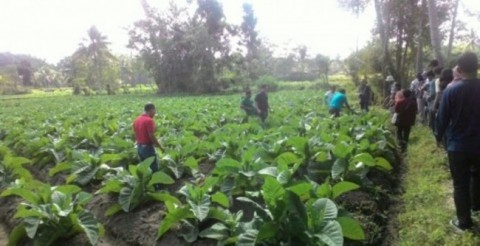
x: 428, y: 199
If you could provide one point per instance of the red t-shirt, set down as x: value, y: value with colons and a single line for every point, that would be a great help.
x: 143, y: 126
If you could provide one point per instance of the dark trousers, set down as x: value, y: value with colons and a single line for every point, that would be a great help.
x: 334, y: 112
x: 146, y: 150
x: 364, y: 105
x: 403, y: 134
x: 263, y: 114
x: 465, y: 170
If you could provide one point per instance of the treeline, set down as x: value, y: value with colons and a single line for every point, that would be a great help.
x: 193, y: 48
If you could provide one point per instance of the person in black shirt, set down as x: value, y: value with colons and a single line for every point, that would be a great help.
x: 458, y: 120
x: 261, y: 99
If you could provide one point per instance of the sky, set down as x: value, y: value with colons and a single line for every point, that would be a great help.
x: 53, y: 29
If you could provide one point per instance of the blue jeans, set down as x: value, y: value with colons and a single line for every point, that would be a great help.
x: 144, y: 151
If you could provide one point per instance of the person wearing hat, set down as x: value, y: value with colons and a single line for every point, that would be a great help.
x: 247, y: 105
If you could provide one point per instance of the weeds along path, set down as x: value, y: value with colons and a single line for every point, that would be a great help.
x: 428, y: 199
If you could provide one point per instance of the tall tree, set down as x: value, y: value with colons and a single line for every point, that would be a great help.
x: 184, y: 52
x: 250, y: 41
x: 25, y: 71
x: 452, y: 29
x: 435, y: 31
x: 95, y: 53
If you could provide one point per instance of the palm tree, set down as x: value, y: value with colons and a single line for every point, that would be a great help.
x: 95, y: 52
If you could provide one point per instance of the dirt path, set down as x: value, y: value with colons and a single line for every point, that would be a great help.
x: 3, y: 235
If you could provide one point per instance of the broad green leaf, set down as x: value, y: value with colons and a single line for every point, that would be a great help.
x: 85, y: 175
x: 271, y: 171
x: 326, y: 209
x: 217, y: 231
x: 62, y: 203
x: 60, y: 167
x: 164, y: 196
x: 331, y: 234
x: 342, y: 149
x: 300, y: 144
x: 322, y: 156
x: 297, y: 213
x: 343, y: 187
x: 112, y: 185
x: 16, y: 235
x: 200, y: 209
x: 15, y: 161
x: 338, y: 167
x: 267, y: 230
x: 160, y: 178
x: 31, y: 226
x: 248, y: 238
x: 351, y: 228
x: 173, y: 217
x: 110, y: 158
x: 129, y: 197
x: 90, y: 226
x: 272, y: 191
x: 115, y: 208
x: 83, y: 198
x: 286, y: 159
x: 302, y: 189
x: 324, y: 190
x: 26, y: 194
x: 366, y: 158
x: 383, y: 163
x: 24, y: 212
x: 227, y: 166
x: 284, y: 177
x: 192, y: 163
x: 221, y: 199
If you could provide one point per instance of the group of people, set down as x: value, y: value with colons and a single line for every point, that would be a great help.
x: 451, y: 97
x: 261, y: 106
x: 448, y: 101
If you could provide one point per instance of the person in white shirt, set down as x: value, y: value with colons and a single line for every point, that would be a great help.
x: 329, y: 95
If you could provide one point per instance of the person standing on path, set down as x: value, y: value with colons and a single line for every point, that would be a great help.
x: 365, y: 95
x: 458, y: 120
x: 261, y: 99
x: 144, y: 129
x: 406, y: 109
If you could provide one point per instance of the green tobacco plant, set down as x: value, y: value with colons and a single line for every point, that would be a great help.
x: 50, y: 213
x: 11, y: 168
x: 84, y: 168
x: 285, y: 219
x: 202, y: 210
x: 135, y: 186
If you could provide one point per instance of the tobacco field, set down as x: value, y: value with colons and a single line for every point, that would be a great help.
x: 70, y: 175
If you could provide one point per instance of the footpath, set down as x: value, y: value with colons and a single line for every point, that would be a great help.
x: 427, y: 199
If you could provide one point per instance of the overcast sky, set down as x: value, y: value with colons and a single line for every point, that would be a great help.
x: 53, y: 29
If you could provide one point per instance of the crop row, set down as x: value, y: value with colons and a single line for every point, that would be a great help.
x: 222, y: 181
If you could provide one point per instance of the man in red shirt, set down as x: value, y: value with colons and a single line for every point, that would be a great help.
x: 144, y: 128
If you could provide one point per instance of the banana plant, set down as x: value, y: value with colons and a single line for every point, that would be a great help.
x: 50, y: 213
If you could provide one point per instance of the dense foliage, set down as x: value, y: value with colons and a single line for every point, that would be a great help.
x: 236, y: 183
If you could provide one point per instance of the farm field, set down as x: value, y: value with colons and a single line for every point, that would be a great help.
x: 70, y: 173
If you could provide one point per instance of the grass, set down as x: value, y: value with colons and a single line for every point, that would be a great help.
x: 428, y: 199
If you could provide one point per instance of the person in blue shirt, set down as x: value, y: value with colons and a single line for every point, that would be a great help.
x: 458, y: 120
x: 339, y: 100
